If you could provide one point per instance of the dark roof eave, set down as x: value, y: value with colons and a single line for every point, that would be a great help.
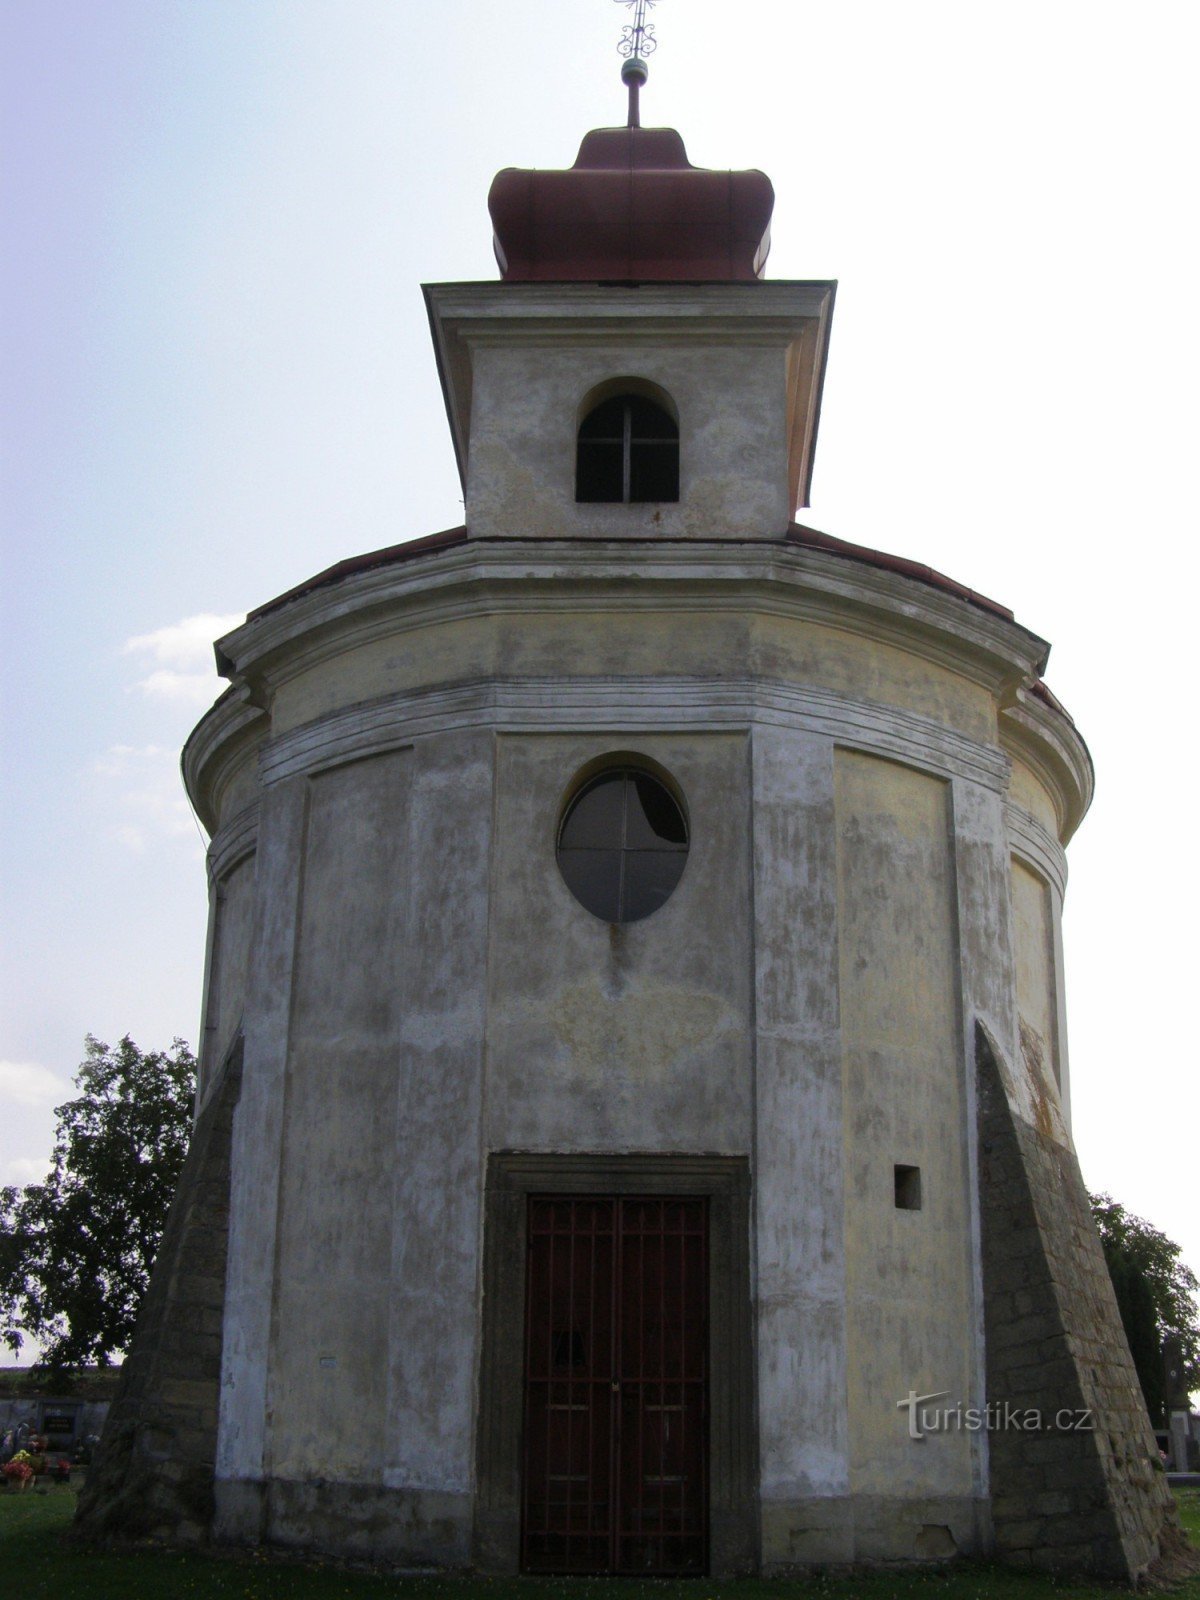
x: 1042, y: 691
x: 799, y: 534
x: 431, y: 542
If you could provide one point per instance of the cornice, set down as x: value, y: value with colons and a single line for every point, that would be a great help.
x: 1047, y: 742
x: 762, y: 333
x: 232, y: 842
x: 1036, y: 846
x: 515, y: 303
x: 627, y: 707
x: 215, y: 745
x: 575, y: 577
x: 487, y: 577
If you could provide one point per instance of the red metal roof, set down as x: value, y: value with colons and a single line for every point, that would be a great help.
x: 364, y: 563
x: 631, y: 209
x: 1042, y: 691
x: 798, y: 534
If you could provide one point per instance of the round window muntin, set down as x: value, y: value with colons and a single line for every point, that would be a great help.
x: 623, y: 841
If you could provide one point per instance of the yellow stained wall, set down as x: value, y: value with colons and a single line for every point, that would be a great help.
x: 866, y: 668
x: 330, y: 1333
x: 1030, y: 795
x: 908, y: 1296
x: 1033, y: 940
x: 615, y: 642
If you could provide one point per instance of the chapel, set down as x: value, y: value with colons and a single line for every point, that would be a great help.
x: 633, y: 1131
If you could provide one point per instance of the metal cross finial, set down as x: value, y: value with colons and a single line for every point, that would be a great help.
x: 637, y: 42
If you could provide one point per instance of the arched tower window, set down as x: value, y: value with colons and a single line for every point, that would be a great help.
x: 627, y: 452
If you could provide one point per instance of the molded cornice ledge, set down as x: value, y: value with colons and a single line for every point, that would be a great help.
x: 508, y: 576
x: 218, y: 744
x: 573, y: 577
x: 1046, y: 740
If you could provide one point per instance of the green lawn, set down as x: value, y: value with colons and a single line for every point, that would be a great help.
x: 36, y: 1564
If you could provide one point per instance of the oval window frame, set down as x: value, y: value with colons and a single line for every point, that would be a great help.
x: 622, y: 764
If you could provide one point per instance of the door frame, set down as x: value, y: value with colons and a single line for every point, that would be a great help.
x: 732, y: 1446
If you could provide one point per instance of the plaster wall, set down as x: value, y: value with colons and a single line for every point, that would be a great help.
x: 329, y: 1345
x: 798, y: 1155
x: 983, y: 925
x: 255, y: 1159
x: 909, y: 1297
x: 239, y: 787
x: 733, y: 422
x: 1062, y: 1051
x: 357, y: 1178
x: 232, y: 910
x: 437, y: 1159
x: 873, y: 669
x: 1037, y: 986
x: 412, y: 654
x: 619, y: 1037
x: 596, y: 638
x: 424, y: 991
x: 1030, y: 794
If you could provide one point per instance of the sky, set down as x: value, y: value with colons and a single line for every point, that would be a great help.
x: 217, y: 379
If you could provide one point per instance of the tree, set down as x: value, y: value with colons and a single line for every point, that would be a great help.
x: 76, y: 1250
x: 1155, y: 1293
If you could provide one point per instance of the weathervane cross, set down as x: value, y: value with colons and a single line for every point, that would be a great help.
x: 636, y: 43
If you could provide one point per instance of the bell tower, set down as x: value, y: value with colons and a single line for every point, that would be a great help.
x: 632, y: 273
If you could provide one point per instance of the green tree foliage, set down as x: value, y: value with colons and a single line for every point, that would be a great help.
x: 76, y: 1250
x: 1156, y: 1295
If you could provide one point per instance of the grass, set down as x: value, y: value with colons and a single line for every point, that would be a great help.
x: 37, y: 1564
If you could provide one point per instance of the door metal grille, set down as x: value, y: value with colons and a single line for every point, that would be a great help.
x: 616, y: 1377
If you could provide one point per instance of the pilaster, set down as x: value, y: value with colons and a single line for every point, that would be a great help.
x: 798, y: 1187
x: 257, y: 1146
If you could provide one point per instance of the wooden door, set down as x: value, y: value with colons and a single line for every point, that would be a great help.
x: 616, y: 1371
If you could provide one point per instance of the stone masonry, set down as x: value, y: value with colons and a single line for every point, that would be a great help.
x: 1070, y: 1498
x: 153, y: 1473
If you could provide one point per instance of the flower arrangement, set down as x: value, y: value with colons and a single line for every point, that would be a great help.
x: 18, y: 1471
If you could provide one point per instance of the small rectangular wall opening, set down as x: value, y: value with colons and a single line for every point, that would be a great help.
x: 908, y: 1188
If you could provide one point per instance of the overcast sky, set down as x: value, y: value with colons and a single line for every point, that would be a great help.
x: 217, y: 379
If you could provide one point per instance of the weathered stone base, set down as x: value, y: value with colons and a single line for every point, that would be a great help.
x: 406, y: 1528
x: 419, y: 1530
x: 867, y: 1530
x: 1062, y: 1499
x: 153, y: 1473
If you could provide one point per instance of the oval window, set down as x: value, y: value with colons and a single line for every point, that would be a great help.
x: 623, y: 845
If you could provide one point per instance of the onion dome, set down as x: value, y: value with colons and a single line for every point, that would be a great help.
x: 631, y: 209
